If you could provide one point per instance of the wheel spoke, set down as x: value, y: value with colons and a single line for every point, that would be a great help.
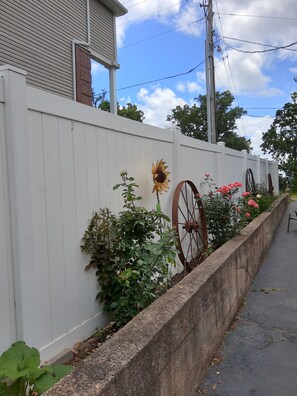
x: 182, y: 213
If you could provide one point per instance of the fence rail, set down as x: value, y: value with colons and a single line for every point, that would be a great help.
x: 59, y: 162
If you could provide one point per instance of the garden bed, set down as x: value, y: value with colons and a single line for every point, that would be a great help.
x: 165, y: 350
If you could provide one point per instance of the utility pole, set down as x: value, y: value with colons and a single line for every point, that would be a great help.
x: 210, y: 78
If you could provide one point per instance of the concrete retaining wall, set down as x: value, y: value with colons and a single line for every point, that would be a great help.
x: 165, y: 350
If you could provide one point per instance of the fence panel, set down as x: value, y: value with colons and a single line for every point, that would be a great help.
x: 75, y: 156
x: 7, y: 307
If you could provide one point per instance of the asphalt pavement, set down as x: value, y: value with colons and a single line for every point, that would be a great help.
x: 258, y: 355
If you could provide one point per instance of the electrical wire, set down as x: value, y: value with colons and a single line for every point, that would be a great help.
x: 160, y: 34
x: 134, y: 5
x: 159, y: 79
x: 259, y: 16
x: 260, y: 51
x: 256, y: 43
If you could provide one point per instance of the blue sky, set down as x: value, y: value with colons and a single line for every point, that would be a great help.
x: 159, y: 39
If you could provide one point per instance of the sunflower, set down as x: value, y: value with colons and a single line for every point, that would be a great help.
x: 160, y: 177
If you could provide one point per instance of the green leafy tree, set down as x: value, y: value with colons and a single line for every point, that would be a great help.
x: 129, y: 111
x: 192, y: 120
x: 281, y: 138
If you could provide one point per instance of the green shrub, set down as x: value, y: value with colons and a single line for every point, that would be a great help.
x: 131, y: 253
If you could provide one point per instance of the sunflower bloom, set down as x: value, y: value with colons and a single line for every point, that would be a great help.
x: 160, y: 177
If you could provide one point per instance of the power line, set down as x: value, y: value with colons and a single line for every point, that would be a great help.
x: 273, y: 47
x: 160, y: 34
x: 256, y: 43
x: 257, y: 116
x: 133, y: 5
x: 159, y: 79
x: 260, y: 16
x: 231, y: 76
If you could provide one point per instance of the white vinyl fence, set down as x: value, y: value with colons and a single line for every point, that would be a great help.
x: 59, y: 162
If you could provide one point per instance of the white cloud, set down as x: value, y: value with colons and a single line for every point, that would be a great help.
x: 141, y: 11
x: 96, y: 67
x: 189, y: 86
x: 193, y: 87
x: 274, y: 31
x: 157, y: 104
x: 253, y: 128
x: 293, y: 69
x: 187, y: 19
x: 179, y: 15
x: 250, y: 70
x: 245, y: 73
x: 180, y: 86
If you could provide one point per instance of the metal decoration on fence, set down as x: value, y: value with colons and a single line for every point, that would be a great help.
x: 188, y: 219
x: 250, y: 182
x: 270, y: 184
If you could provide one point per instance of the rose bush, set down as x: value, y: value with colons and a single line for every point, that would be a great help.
x: 226, y: 213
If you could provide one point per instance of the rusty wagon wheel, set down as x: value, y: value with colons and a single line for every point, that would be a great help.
x: 188, y: 219
x: 250, y: 182
x: 270, y: 184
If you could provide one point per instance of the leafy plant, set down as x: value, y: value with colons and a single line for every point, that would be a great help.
x: 20, y: 374
x: 131, y: 252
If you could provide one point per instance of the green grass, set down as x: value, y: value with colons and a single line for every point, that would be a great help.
x: 294, y: 195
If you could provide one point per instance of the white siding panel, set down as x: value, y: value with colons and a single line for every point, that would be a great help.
x: 82, y: 216
x: 52, y: 175
x: 93, y: 204
x: 7, y: 308
x: 103, y: 176
x: 36, y: 147
x: 102, y: 30
x: 69, y: 222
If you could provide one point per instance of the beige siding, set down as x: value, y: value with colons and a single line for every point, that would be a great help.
x: 102, y: 30
x: 36, y: 36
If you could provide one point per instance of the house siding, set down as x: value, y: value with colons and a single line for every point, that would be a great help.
x: 36, y: 35
x: 103, y: 38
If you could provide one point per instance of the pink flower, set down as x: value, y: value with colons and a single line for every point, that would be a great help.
x: 247, y: 214
x: 224, y: 190
x: 251, y: 202
x: 198, y: 195
x: 246, y: 194
x: 207, y: 175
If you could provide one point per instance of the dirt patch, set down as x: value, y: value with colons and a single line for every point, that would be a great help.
x: 81, y: 350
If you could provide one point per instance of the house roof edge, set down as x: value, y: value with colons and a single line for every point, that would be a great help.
x: 114, y: 5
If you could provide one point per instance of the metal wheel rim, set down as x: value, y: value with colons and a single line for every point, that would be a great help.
x: 188, y: 219
x: 250, y: 181
x: 270, y: 184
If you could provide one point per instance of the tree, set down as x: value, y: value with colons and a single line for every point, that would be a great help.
x: 192, y: 120
x: 129, y: 111
x: 281, y: 138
